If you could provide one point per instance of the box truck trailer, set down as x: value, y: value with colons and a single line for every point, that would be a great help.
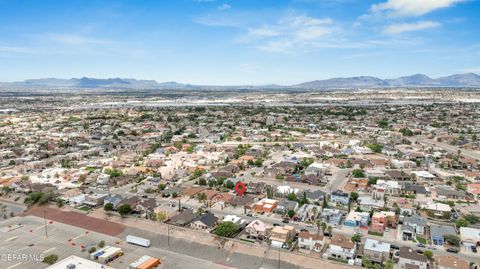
x: 138, y: 241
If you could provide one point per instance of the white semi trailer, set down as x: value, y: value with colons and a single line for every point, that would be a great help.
x: 138, y: 241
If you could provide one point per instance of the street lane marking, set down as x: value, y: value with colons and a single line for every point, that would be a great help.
x: 14, y: 265
x: 50, y: 249
x: 75, y: 238
x: 11, y: 238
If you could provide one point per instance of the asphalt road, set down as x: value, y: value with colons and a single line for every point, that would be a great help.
x: 450, y: 148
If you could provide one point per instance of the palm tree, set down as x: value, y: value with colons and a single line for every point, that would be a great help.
x: 319, y: 224
x: 324, y: 226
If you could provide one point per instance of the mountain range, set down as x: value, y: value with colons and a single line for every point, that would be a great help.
x: 418, y: 80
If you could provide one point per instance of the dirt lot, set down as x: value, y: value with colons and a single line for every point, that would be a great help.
x: 78, y: 219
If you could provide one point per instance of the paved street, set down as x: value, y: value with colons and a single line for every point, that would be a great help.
x: 450, y: 148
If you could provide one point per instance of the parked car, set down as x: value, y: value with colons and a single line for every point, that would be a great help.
x: 474, y: 249
x: 419, y: 251
x: 420, y: 245
x: 431, y: 247
x: 453, y: 250
x: 394, y: 246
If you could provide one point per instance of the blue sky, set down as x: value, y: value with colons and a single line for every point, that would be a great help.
x: 237, y: 42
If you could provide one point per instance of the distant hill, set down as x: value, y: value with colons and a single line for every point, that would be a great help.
x: 353, y: 82
x: 413, y: 80
x: 417, y: 80
x: 95, y: 83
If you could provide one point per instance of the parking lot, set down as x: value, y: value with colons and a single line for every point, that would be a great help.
x: 26, y: 235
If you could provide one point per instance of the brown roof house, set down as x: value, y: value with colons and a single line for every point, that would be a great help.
x: 410, y: 259
x: 309, y: 241
x: 341, y: 247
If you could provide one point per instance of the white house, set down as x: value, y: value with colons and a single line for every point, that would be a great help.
x: 341, y: 247
x: 309, y: 242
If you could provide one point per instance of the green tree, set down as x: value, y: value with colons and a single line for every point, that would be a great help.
x: 226, y: 229
x: 383, y: 123
x: 377, y: 148
x: 353, y: 196
x: 108, y: 207
x: 162, y: 186
x: 101, y: 244
x: 59, y: 203
x: 452, y: 239
x: 428, y: 254
x: 358, y: 173
x: 229, y: 184
x: 292, y: 196
x: 291, y: 213
x: 124, y: 209
x: 389, y: 264
x: 406, y: 132
x: 323, y: 225
x: 366, y: 262
x: 472, y: 218
x: 202, y: 181
x: 462, y: 223
x: 356, y: 238
x: 45, y: 198
x: 304, y: 199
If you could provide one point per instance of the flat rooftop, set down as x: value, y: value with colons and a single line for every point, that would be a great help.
x: 80, y: 263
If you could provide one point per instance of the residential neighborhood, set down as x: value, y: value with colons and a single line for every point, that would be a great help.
x: 378, y: 187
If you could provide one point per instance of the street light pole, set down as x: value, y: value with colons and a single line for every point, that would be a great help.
x: 279, y: 257
x: 168, y: 235
x: 45, y: 218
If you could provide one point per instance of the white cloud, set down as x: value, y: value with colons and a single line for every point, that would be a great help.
x: 399, y: 28
x: 291, y: 33
x: 411, y: 8
x: 75, y: 40
x: 224, y: 7
x: 9, y: 49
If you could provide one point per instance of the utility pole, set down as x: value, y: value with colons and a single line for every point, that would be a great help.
x: 45, y: 218
x: 168, y: 235
x: 279, y: 257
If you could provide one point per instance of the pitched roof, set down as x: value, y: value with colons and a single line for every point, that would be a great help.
x: 308, y: 235
x: 408, y: 253
x: 208, y: 219
x: 344, y: 242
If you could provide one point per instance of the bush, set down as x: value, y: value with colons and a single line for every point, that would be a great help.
x: 50, y: 259
x: 92, y: 249
x: 358, y: 173
x: 108, y: 207
x: 226, y: 229
x: 124, y: 209
x: 452, y: 240
x: 101, y: 244
x: 428, y: 254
